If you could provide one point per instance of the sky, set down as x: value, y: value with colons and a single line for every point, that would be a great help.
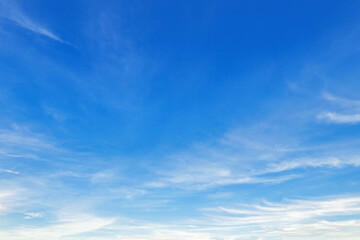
x: 179, y: 120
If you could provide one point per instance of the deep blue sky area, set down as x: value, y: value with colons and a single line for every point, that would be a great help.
x: 201, y: 120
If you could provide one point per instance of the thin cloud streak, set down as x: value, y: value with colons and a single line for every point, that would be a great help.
x: 352, y: 108
x: 230, y: 161
x: 340, y: 118
x: 292, y: 219
x: 295, y: 218
x: 9, y: 171
x: 341, y: 101
x: 59, y: 230
x: 13, y: 13
x: 23, y: 143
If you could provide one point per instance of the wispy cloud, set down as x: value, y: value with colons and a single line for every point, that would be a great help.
x: 21, y: 142
x: 341, y: 101
x: 203, y: 178
x: 330, y: 162
x: 11, y: 11
x: 333, y: 218
x: 31, y: 215
x: 237, y: 158
x: 340, y: 118
x: 8, y: 171
x: 289, y: 220
x: 54, y: 113
x: 350, y: 110
x: 294, y: 210
x: 11, y: 196
x: 62, y: 228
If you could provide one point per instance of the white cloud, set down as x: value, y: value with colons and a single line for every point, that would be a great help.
x: 10, y: 197
x: 220, y: 195
x: 234, y: 159
x: 54, y: 113
x: 321, y: 230
x: 296, y: 219
x: 2, y: 208
x: 167, y: 234
x: 20, y: 136
x: 296, y: 210
x: 341, y: 101
x: 59, y: 230
x: 351, y: 107
x: 8, y: 171
x: 329, y: 162
x: 205, y: 177
x: 103, y: 176
x: 340, y: 118
x: 12, y: 12
x: 319, y: 219
x: 22, y: 142
x: 31, y: 215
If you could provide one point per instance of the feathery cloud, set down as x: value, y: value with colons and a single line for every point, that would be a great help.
x: 12, y: 12
x: 340, y: 118
x: 351, y: 107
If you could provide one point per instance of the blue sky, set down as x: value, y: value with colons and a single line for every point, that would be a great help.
x: 179, y: 120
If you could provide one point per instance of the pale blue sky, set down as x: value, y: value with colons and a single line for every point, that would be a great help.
x: 179, y: 120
